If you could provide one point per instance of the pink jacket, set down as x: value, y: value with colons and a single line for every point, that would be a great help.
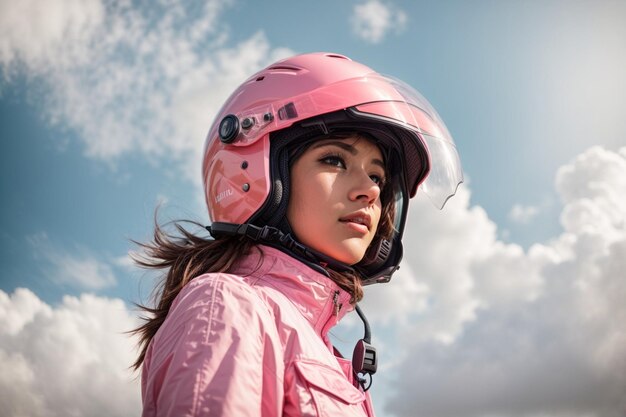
x: 253, y: 343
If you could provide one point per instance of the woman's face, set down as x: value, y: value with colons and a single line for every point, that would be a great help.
x: 335, y: 204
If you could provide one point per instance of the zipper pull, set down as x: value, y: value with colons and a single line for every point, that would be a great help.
x: 336, y: 302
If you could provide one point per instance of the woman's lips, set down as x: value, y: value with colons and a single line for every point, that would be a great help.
x: 358, y: 221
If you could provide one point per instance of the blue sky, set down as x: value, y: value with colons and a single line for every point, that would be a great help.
x: 103, y: 111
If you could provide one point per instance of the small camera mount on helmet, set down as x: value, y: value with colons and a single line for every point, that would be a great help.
x: 229, y: 128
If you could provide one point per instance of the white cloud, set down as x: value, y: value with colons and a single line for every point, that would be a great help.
x: 81, y: 268
x: 510, y: 332
x: 86, y: 272
x: 523, y: 214
x: 389, y: 304
x: 373, y: 19
x: 33, y: 33
x: 440, y: 247
x: 126, y: 262
x: 592, y: 190
x: 130, y: 80
x: 67, y: 360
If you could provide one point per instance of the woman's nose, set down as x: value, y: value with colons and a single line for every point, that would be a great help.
x: 364, y: 187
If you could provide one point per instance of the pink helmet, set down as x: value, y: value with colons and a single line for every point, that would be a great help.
x: 291, y: 103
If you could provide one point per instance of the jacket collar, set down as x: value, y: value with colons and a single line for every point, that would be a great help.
x: 316, y: 296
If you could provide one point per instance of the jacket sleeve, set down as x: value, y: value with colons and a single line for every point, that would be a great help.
x: 216, y: 354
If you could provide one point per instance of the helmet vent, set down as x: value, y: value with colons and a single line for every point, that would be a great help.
x: 337, y: 56
x: 283, y: 68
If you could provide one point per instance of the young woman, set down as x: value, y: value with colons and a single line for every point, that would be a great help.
x: 308, y: 170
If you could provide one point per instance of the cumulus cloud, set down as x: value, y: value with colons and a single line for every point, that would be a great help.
x: 126, y: 79
x: 66, y: 360
x: 32, y: 33
x: 523, y: 214
x: 373, y: 19
x: 81, y: 268
x: 508, y: 332
x: 439, y: 248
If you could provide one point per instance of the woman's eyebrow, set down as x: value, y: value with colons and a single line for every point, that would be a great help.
x: 337, y: 143
x: 347, y: 147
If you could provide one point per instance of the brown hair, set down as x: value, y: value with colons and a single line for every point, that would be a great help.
x: 184, y: 255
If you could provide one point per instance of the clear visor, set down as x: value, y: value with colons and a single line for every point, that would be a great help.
x: 416, y: 113
x: 446, y: 172
x: 381, y: 96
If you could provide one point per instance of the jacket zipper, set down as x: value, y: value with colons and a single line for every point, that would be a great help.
x: 336, y: 303
x: 336, y: 308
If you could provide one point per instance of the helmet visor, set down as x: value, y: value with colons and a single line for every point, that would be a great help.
x: 414, y: 112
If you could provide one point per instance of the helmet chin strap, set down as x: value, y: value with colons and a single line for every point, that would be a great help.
x: 364, y: 358
x: 273, y: 236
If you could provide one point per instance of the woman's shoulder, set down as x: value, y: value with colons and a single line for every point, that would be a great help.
x: 218, y: 280
x: 212, y: 309
x: 233, y: 291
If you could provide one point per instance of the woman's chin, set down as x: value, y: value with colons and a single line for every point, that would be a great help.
x: 346, y: 257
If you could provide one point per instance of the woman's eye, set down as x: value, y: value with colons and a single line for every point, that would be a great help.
x: 334, y: 161
x: 377, y: 179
